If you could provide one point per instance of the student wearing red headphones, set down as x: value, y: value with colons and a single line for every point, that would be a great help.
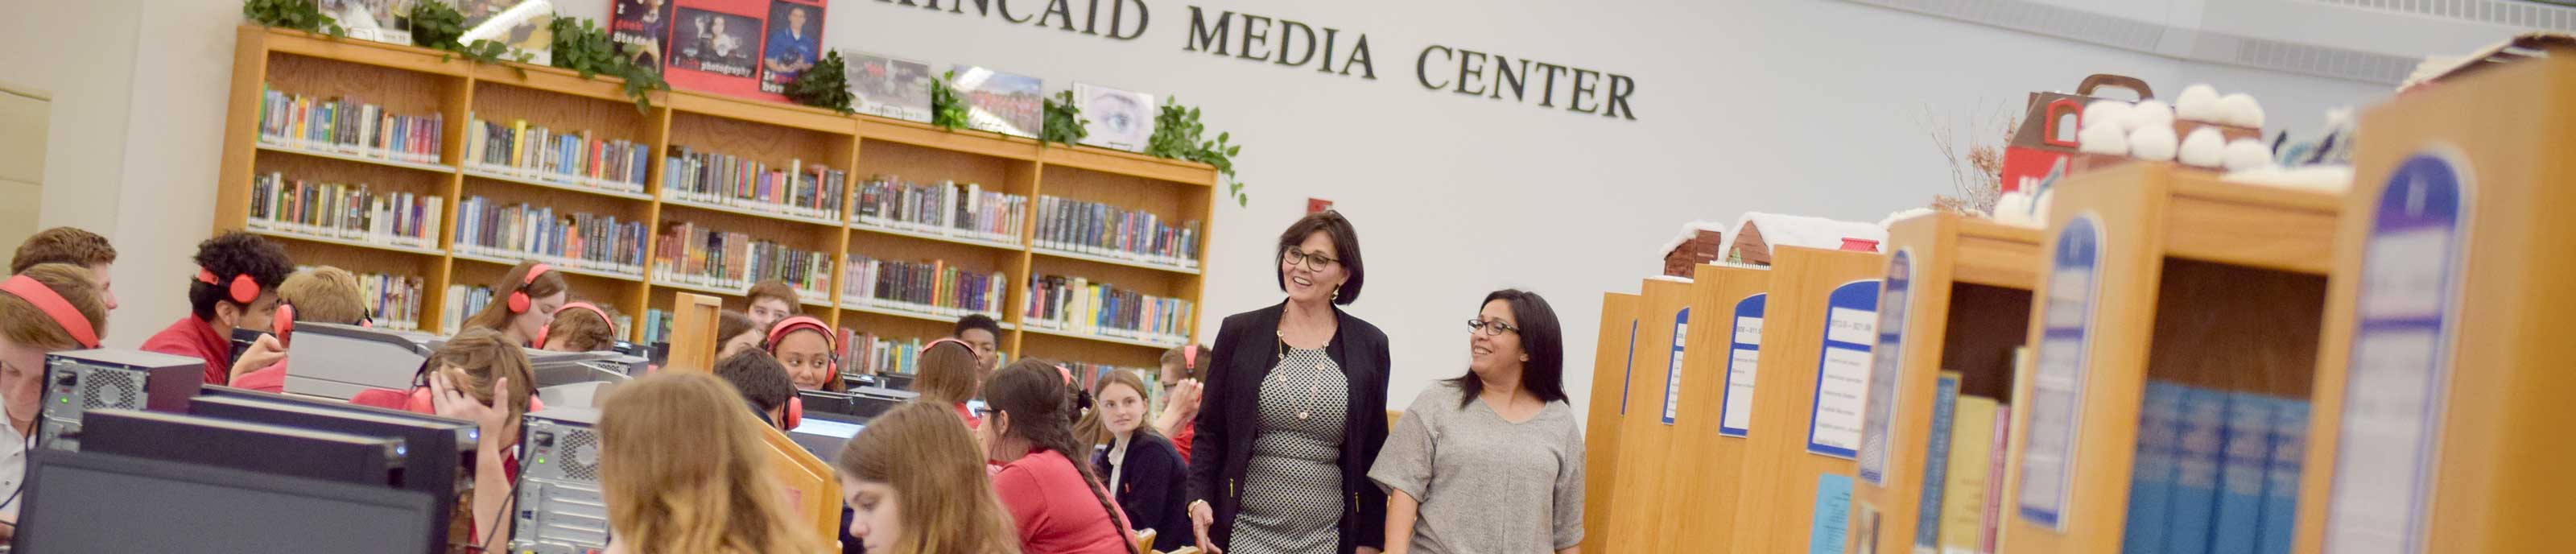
x: 948, y: 377
x: 70, y: 245
x: 323, y: 295
x: 47, y: 308
x: 806, y: 346
x: 235, y: 287
x: 523, y: 303
x: 1181, y: 378
x: 579, y: 327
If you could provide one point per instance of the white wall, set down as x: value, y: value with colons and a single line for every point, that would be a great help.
x: 1763, y: 105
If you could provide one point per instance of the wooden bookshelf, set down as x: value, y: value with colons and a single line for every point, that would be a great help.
x: 1645, y: 436
x: 2461, y: 423
x: 1706, y: 457
x: 1610, y: 372
x: 416, y: 81
x: 1817, y: 300
x: 1964, y: 307
x: 2154, y: 272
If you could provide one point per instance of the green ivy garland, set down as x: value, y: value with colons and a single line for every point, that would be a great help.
x: 947, y: 108
x: 1064, y: 122
x: 581, y: 45
x: 301, y: 15
x: 825, y: 85
x: 1177, y: 135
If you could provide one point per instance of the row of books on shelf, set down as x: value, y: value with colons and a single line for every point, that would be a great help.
x: 932, y: 287
x: 462, y: 301
x: 575, y: 240
x: 355, y: 212
x: 1104, y: 230
x: 797, y: 189
x: 518, y: 149
x: 1963, y: 472
x: 1089, y: 375
x: 946, y: 208
x: 348, y: 126
x: 1077, y: 305
x: 393, y: 301
x: 698, y: 256
x: 2217, y: 471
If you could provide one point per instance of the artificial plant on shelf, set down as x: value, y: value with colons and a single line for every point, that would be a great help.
x: 1976, y: 172
x: 825, y: 85
x: 581, y: 45
x: 1178, y: 135
x: 437, y: 25
x: 301, y: 15
x: 947, y: 108
x: 1064, y: 122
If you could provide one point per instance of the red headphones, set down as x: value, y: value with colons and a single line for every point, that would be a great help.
x: 603, y: 317
x: 283, y: 321
x: 46, y: 300
x: 970, y: 349
x: 242, y: 289
x: 1190, y: 358
x: 519, y: 301
x: 795, y: 412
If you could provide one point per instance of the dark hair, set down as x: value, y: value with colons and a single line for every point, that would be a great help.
x: 235, y: 253
x: 1346, y: 245
x: 1544, y: 374
x: 1042, y: 406
x: 62, y: 245
x: 759, y: 376
x: 976, y: 321
x: 730, y: 324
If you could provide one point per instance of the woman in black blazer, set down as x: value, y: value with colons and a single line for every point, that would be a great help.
x: 1294, y: 412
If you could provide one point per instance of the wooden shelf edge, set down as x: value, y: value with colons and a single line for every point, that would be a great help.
x: 764, y: 113
x: 1130, y: 164
x: 1003, y: 246
x: 1071, y: 255
x: 603, y: 274
x: 563, y: 81
x: 354, y: 243
x: 929, y: 136
x: 865, y: 308
x: 749, y: 212
x: 584, y: 189
x: 1099, y: 338
x: 397, y: 56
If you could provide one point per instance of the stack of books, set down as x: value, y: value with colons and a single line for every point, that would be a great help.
x: 798, y: 189
x: 347, y: 126
x: 517, y: 149
x: 2217, y: 471
x: 1104, y: 230
x: 577, y: 240
x: 352, y: 212
x: 930, y: 288
x: 1077, y: 305
x: 697, y: 256
x: 946, y: 208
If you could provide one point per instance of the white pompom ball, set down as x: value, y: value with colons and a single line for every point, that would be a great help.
x: 2204, y: 147
x: 2198, y: 102
x: 2102, y: 139
x: 2241, y: 110
x: 2154, y: 143
x: 2247, y: 154
x: 2152, y: 113
x: 2106, y: 113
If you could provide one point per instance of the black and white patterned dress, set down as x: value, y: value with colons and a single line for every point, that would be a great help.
x: 1292, y: 486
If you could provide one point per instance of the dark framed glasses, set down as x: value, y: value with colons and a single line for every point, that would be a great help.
x: 1492, y: 328
x: 1311, y: 260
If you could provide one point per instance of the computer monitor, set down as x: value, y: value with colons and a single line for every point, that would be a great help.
x: 862, y: 402
x: 248, y: 446
x: 824, y: 433
x: 80, y: 381
x: 95, y: 502
x: 441, y: 460
x: 564, y: 368
x: 897, y: 381
x: 339, y: 361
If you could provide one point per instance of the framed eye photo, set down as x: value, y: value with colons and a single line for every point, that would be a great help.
x: 1118, y: 119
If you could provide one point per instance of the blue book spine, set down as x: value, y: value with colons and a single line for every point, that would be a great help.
x: 2151, y: 482
x: 2241, y: 474
x: 2281, y: 486
x: 1936, y: 461
x: 2203, y: 427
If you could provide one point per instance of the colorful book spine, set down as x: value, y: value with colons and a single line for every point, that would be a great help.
x: 1995, y: 480
x: 1104, y: 230
x: 1936, y: 460
x: 2239, y: 516
x: 946, y: 208
x: 533, y: 151
x: 2281, y: 483
x: 349, y: 126
x: 2197, y: 460
x: 575, y: 240
x: 689, y: 254
x: 1077, y: 305
x: 462, y: 302
x: 344, y: 211
x: 795, y: 189
x: 1972, y: 456
x: 932, y: 288
x: 1088, y: 374
x: 2152, y: 476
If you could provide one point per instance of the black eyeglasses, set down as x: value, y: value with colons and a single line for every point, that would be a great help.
x: 1494, y: 328
x: 986, y: 412
x: 1313, y: 261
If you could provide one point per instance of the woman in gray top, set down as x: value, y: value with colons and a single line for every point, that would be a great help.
x: 1491, y: 461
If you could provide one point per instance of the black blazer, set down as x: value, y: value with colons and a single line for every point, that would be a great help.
x: 1230, y: 415
x: 1150, y: 488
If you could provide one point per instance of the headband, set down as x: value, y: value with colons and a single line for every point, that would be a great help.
x: 603, y: 314
x: 925, y: 349
x: 242, y: 290
x: 46, y: 300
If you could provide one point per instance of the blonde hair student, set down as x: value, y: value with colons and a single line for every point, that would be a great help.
x: 682, y: 470
x: 523, y: 303
x: 916, y: 485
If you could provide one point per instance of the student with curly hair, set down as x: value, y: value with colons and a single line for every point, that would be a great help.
x: 235, y: 287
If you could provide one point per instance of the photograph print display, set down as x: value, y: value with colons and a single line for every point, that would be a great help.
x: 715, y: 42
x: 376, y: 20
x: 1119, y: 119
x: 1005, y: 103
x: 889, y: 87
x: 795, y: 42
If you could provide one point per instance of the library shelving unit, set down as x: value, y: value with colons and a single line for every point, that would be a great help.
x: 1645, y: 439
x: 2153, y: 272
x: 2439, y: 418
x: 1956, y: 296
x: 1716, y: 405
x: 1805, y: 426
x: 1610, y: 372
x: 611, y: 175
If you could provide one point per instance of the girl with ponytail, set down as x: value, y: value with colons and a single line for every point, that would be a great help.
x: 1059, y: 506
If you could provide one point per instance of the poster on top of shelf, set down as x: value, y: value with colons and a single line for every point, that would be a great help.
x: 1117, y: 119
x: 376, y: 20
x: 726, y: 46
x: 1005, y: 103
x: 794, y: 44
x: 531, y: 37
x: 641, y: 28
x: 887, y: 86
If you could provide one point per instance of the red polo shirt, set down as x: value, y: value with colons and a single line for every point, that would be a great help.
x: 195, y: 338
x: 1055, y: 509
x: 266, y: 379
